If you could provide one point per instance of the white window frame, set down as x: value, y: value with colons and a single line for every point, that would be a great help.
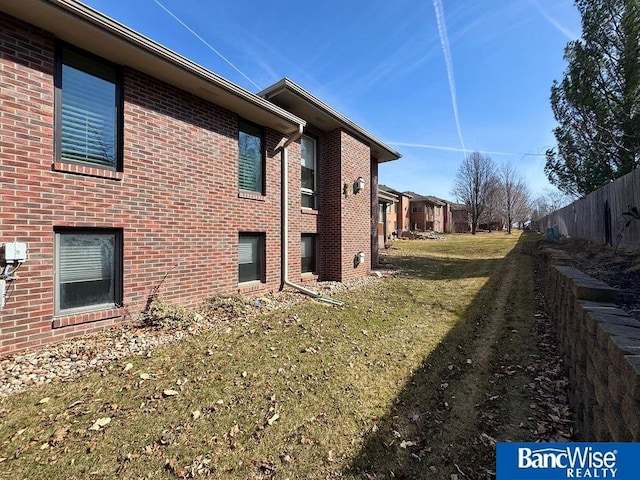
x: 307, y: 192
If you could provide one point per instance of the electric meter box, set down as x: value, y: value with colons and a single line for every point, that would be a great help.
x: 13, y: 252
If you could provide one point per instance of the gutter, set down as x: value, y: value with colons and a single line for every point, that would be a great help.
x: 284, y: 239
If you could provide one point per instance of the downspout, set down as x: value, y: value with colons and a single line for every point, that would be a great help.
x: 284, y: 263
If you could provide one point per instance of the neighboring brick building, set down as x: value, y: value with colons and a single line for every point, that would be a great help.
x: 429, y: 213
x: 394, y: 213
x: 126, y: 169
x: 459, y: 218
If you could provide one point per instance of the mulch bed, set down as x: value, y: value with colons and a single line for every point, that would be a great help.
x: 67, y: 359
x: 618, y: 268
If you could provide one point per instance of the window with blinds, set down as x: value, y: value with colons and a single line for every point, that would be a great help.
x: 250, y: 161
x: 250, y: 257
x: 87, y: 269
x: 308, y: 173
x: 87, y: 109
x: 308, y: 253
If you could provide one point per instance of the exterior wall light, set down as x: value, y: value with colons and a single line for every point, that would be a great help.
x: 358, y: 185
x: 358, y: 259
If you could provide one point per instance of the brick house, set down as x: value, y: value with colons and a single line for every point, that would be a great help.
x: 460, y: 218
x: 393, y: 214
x: 126, y: 168
x: 429, y: 213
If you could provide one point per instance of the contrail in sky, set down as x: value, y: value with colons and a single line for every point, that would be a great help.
x: 206, y: 43
x: 444, y: 41
x: 567, y: 33
x: 457, y: 149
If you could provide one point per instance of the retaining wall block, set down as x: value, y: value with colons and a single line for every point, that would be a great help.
x: 602, y: 391
x: 585, y: 287
x: 629, y: 410
x: 605, y: 312
x: 606, y: 330
x: 617, y: 387
x: 617, y: 427
x: 601, y: 362
x: 600, y: 345
x: 600, y: 427
x: 631, y: 373
x: 588, y: 397
x: 620, y: 347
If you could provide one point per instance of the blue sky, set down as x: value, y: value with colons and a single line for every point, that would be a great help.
x: 393, y: 67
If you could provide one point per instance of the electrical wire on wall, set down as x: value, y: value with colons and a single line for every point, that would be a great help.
x: 10, y: 275
x: 12, y: 256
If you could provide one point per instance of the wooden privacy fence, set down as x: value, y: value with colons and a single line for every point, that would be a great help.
x: 598, y: 217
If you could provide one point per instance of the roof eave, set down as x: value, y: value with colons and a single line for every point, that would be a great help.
x: 380, y: 151
x: 84, y: 27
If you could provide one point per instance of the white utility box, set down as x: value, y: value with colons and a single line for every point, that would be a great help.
x: 13, y: 252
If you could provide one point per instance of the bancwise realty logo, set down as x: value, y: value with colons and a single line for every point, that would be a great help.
x: 552, y: 461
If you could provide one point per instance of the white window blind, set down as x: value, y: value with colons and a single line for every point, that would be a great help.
x: 88, y: 123
x: 248, y: 250
x: 307, y: 246
x: 250, y: 163
x: 308, y: 171
x: 86, y: 258
x: 308, y: 157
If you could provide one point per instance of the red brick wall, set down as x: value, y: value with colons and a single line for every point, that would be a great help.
x: 356, y: 219
x: 26, y: 122
x: 426, y: 220
x: 329, y: 231
x: 439, y: 218
x: 176, y: 200
x: 404, y: 211
x: 373, y: 182
x: 345, y: 224
x: 420, y: 218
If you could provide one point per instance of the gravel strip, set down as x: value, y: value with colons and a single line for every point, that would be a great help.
x: 67, y: 359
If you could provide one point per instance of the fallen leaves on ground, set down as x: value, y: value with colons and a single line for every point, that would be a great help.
x: 100, y: 422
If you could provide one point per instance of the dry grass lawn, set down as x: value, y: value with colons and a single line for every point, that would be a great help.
x: 391, y: 385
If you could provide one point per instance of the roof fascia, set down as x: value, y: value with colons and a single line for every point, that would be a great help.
x: 125, y: 42
x: 287, y: 85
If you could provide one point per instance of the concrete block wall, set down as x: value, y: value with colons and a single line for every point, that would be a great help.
x: 601, y: 349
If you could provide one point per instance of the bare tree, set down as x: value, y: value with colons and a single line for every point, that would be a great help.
x: 549, y: 201
x: 473, y: 185
x: 515, y: 195
x: 522, y: 205
x: 494, y: 210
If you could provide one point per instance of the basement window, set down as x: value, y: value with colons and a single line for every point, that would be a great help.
x: 251, y: 257
x: 308, y: 253
x: 88, y: 270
